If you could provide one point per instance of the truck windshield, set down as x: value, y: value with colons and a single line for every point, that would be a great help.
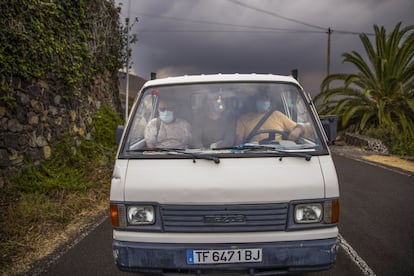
x: 222, y: 118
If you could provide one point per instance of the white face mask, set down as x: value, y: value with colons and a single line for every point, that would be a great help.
x: 167, y: 116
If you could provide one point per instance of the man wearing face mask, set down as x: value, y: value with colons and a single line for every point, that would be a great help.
x: 214, y: 126
x: 167, y: 131
x: 275, y: 121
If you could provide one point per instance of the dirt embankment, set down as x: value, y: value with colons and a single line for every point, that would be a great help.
x: 397, y: 162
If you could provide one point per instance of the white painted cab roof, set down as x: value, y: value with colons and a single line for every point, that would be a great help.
x: 221, y: 78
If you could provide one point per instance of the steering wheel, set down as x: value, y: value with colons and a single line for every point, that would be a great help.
x: 271, y: 135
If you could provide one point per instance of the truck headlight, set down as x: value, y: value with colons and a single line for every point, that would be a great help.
x: 308, y: 213
x: 141, y: 215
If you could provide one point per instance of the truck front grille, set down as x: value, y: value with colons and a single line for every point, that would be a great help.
x: 224, y: 218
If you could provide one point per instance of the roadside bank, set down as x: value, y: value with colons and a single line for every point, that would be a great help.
x: 400, y: 163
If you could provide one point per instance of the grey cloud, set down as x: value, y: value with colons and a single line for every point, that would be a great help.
x: 178, y: 37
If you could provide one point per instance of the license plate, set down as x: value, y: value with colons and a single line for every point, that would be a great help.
x: 225, y: 256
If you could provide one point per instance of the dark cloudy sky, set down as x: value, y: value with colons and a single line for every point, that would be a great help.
x: 186, y: 37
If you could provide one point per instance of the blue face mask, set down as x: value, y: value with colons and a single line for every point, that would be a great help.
x: 262, y: 106
x: 167, y: 116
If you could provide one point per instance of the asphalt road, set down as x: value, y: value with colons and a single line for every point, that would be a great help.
x: 377, y: 215
x: 377, y: 221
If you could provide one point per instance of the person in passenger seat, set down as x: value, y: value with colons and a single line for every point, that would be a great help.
x: 214, y: 126
x: 167, y: 131
x: 272, y: 120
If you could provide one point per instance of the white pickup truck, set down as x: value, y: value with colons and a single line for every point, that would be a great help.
x: 226, y: 173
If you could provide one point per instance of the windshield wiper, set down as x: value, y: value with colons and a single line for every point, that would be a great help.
x: 307, y: 156
x: 253, y: 147
x: 172, y: 151
x: 196, y: 155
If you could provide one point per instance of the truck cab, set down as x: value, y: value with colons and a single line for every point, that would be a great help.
x: 226, y: 173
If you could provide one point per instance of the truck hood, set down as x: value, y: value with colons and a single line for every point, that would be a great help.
x: 233, y: 180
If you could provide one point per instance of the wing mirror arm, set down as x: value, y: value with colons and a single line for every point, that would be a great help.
x: 119, y: 131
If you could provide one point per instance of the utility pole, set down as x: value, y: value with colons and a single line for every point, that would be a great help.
x: 328, y: 59
x: 127, y: 66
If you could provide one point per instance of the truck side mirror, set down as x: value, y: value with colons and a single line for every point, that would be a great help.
x: 329, y: 123
x: 119, y: 131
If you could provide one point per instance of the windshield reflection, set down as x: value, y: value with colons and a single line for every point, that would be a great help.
x: 220, y: 117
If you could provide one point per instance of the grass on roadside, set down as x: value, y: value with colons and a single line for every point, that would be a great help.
x: 46, y: 197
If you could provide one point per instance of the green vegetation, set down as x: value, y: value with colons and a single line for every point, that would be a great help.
x: 69, y: 42
x: 45, y: 197
x: 71, y: 160
x: 379, y: 97
x: 67, y: 46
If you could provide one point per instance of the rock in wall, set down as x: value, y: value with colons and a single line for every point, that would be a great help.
x: 42, y: 113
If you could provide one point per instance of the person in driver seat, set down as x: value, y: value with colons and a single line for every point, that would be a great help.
x: 265, y: 118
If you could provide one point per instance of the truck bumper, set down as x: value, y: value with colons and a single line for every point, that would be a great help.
x: 278, y: 257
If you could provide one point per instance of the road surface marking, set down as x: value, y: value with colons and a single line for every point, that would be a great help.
x: 355, y: 257
x: 62, y: 251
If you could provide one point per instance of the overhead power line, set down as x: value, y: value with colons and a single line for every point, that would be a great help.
x: 228, y: 31
x: 253, y: 27
x: 276, y: 15
x: 319, y: 29
x: 326, y: 29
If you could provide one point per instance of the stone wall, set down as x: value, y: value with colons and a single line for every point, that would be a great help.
x: 368, y: 143
x: 42, y: 114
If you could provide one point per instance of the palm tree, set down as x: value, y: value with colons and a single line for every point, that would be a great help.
x: 381, y: 92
